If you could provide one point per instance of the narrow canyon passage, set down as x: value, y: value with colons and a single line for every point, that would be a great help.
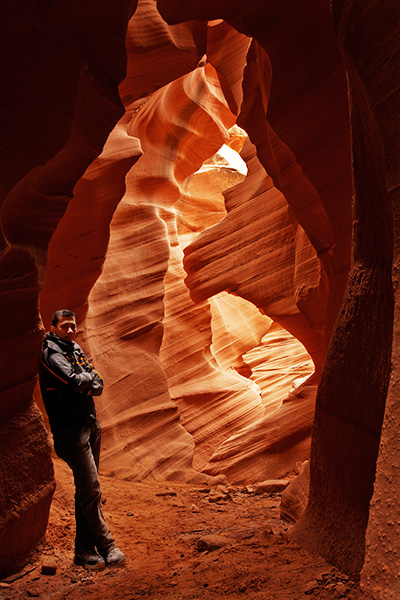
x: 212, y: 188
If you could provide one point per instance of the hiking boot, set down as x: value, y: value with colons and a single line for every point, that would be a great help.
x: 89, y: 559
x: 114, y: 557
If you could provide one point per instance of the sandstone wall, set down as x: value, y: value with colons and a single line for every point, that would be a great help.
x: 106, y: 210
x: 374, y: 76
x: 132, y: 279
x: 90, y: 217
x: 60, y: 101
x: 350, y: 407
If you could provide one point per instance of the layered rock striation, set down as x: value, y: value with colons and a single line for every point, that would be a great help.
x: 60, y: 101
x: 208, y: 281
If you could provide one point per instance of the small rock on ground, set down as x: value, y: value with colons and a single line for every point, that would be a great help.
x: 311, y: 586
x: 49, y: 568
x: 271, y: 486
x: 211, y: 542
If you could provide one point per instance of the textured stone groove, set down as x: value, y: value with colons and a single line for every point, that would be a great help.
x: 132, y: 324
x: 260, y: 231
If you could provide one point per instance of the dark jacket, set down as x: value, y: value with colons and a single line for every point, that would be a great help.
x: 68, y: 382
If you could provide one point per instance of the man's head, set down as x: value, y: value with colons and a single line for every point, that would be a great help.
x: 63, y: 324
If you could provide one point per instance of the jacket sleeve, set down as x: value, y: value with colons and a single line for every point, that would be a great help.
x: 59, y: 366
x: 97, y: 382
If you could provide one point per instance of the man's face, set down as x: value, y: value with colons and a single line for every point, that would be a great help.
x: 65, y: 328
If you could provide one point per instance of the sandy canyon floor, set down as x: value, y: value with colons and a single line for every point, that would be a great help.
x: 158, y: 526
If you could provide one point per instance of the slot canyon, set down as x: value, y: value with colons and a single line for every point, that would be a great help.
x: 211, y: 187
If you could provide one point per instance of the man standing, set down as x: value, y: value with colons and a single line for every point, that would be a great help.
x: 68, y: 382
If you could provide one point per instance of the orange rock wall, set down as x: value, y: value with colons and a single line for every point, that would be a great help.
x: 60, y: 101
x: 313, y: 251
x: 354, y: 388
x: 110, y: 251
x: 374, y: 76
x: 155, y: 388
x: 304, y: 143
x: 93, y: 211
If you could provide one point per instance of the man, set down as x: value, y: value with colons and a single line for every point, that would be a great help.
x: 68, y: 382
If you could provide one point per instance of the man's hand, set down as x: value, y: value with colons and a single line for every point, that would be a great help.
x: 97, y: 384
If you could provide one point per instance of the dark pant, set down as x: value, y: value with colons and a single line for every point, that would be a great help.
x: 79, y: 447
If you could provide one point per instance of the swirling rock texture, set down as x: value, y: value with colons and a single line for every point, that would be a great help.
x: 60, y: 101
x: 182, y: 275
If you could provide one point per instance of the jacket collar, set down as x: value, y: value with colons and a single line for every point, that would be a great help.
x: 52, y: 340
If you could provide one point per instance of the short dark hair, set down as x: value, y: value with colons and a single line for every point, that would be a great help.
x: 61, y: 314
